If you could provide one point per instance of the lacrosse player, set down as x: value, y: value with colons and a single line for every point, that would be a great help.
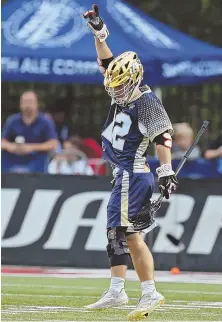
x: 136, y: 119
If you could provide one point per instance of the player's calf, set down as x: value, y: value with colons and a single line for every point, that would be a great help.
x: 118, y: 253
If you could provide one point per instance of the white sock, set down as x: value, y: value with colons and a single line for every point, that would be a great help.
x: 117, y: 284
x: 148, y: 287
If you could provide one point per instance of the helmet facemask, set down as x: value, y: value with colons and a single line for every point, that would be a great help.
x: 123, y: 77
x: 123, y: 93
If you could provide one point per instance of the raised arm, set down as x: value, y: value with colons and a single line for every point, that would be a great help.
x: 100, y: 31
x: 103, y: 50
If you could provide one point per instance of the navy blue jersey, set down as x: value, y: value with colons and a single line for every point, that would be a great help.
x: 128, y: 131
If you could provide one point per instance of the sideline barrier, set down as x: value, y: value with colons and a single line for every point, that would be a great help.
x: 194, y: 169
x: 54, y: 220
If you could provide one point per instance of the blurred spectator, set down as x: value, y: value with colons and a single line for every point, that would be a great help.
x: 93, y: 151
x: 67, y: 162
x: 57, y: 113
x: 27, y: 138
x: 88, y: 145
x: 215, y: 149
x: 183, y: 138
x: 215, y: 152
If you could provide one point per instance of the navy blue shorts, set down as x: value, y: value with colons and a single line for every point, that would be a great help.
x: 130, y: 193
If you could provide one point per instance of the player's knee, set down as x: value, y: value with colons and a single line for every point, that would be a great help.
x: 117, y: 247
x: 134, y: 237
x: 117, y: 243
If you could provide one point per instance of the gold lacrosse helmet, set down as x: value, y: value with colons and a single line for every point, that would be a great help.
x: 123, y: 77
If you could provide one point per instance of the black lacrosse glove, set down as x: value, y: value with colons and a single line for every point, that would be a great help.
x: 167, y: 180
x: 96, y: 24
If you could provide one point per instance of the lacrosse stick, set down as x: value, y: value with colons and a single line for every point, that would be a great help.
x: 145, y: 218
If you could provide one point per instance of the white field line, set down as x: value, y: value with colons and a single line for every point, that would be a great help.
x: 192, y: 292
x: 165, y: 310
x: 216, y: 304
x: 50, y: 295
x: 191, y: 305
x: 33, y: 309
x: 160, y: 276
x: 52, y: 286
x: 100, y: 288
x: 14, y: 310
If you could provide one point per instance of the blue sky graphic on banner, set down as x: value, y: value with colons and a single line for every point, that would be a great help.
x: 48, y: 40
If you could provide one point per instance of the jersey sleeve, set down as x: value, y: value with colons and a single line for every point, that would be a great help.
x: 152, y: 117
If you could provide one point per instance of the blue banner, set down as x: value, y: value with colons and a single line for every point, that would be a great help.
x: 48, y: 40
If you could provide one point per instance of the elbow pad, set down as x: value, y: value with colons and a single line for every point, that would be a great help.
x: 104, y: 63
x: 164, y: 139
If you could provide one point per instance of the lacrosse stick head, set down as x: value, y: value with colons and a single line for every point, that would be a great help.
x: 145, y: 218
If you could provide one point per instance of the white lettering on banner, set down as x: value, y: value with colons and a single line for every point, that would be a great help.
x: 36, y: 219
x: 9, y: 64
x: 45, y: 23
x: 189, y: 68
x: 7, y: 207
x: 179, y: 211
x: 210, y: 221
x: 70, y: 219
x: 35, y: 66
x: 43, y: 66
x: 134, y: 24
x: 72, y: 67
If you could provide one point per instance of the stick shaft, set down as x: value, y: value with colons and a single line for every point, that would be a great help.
x: 187, y: 154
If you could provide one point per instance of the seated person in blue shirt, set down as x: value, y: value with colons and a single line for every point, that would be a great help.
x: 27, y: 138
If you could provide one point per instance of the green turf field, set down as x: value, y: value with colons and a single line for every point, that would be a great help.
x: 62, y: 299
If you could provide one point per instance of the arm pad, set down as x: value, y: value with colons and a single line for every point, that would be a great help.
x: 164, y: 139
x: 106, y: 62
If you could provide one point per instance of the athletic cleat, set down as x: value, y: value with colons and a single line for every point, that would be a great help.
x: 147, y: 304
x: 109, y: 299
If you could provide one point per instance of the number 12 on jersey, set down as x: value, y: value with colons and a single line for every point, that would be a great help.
x: 115, y: 132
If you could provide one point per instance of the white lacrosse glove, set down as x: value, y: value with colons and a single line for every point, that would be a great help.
x: 167, y: 180
x: 96, y: 24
